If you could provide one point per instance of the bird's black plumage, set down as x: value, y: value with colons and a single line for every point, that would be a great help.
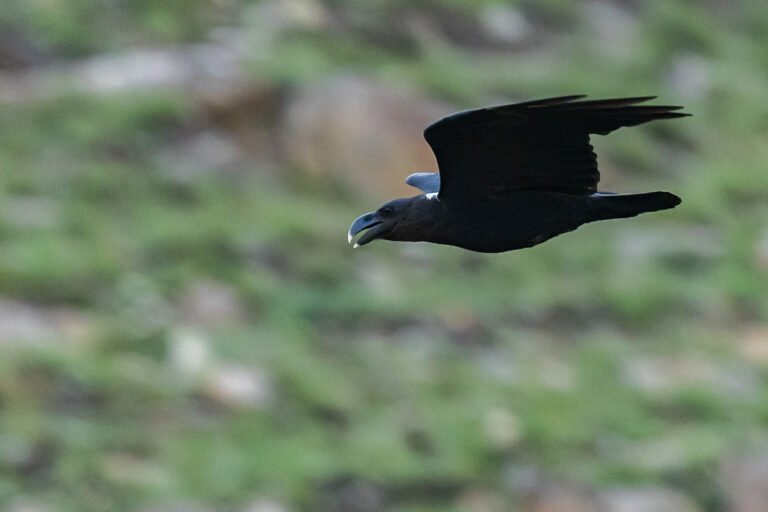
x: 515, y: 175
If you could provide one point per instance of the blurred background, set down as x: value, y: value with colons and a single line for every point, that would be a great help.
x: 183, y: 326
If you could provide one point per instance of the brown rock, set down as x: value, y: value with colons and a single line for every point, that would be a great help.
x: 761, y: 250
x: 691, y: 77
x: 744, y: 480
x: 561, y: 498
x: 481, y: 500
x: 239, y: 387
x: 22, y: 504
x: 646, y: 499
x: 265, y: 505
x: 664, y: 374
x: 180, y: 506
x: 197, y: 70
x: 503, y: 428
x: 613, y: 28
x: 360, y: 133
x: 22, y: 324
x: 753, y: 345
x: 210, y: 303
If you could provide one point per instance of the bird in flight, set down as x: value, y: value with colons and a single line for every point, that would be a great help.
x: 514, y: 176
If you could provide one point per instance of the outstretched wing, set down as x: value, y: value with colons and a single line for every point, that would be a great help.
x: 427, y: 182
x: 543, y: 145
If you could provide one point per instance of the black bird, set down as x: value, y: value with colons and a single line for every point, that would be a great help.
x: 513, y: 176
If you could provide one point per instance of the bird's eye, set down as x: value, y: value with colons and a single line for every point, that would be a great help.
x: 386, y: 211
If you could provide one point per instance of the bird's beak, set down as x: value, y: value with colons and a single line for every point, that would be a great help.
x: 367, y: 221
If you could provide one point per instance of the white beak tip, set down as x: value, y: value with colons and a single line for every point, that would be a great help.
x: 356, y: 246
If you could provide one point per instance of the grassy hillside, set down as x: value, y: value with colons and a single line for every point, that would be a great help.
x: 181, y: 335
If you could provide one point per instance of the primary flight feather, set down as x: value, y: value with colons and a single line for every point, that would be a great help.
x: 513, y: 176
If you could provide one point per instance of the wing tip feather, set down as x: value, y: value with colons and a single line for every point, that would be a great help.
x: 555, y: 100
x: 625, y: 111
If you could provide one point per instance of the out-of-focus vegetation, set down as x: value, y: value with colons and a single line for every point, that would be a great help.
x: 182, y: 326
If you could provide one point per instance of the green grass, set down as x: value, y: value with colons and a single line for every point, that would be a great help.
x: 419, y: 369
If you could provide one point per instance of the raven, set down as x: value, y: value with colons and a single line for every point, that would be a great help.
x: 513, y: 176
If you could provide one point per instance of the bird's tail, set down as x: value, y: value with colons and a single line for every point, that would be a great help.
x: 619, y: 206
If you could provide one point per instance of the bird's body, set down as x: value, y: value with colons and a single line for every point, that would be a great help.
x: 514, y: 176
x: 528, y: 218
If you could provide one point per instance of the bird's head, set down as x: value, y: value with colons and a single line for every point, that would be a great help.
x: 394, y: 220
